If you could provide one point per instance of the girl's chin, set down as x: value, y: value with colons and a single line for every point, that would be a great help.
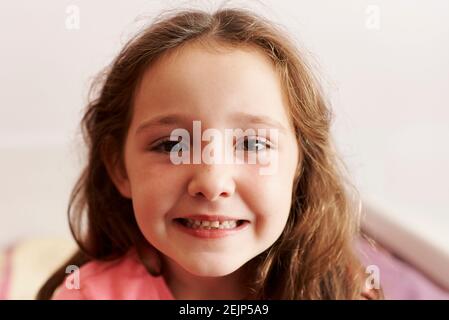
x: 219, y: 271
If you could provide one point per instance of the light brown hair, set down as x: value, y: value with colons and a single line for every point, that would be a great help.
x: 314, y: 258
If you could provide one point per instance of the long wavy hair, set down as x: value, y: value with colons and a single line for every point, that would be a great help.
x: 314, y: 258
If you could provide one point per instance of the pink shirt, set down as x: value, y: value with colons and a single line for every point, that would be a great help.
x: 122, y: 279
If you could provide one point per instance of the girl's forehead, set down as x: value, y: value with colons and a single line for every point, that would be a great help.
x: 211, y: 83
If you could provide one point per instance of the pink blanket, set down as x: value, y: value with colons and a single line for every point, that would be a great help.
x: 398, y: 279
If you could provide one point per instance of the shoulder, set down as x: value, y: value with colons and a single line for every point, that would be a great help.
x: 122, y: 279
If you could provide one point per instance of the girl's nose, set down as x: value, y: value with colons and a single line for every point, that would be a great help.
x: 212, y: 182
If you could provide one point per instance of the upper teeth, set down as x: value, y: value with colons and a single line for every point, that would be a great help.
x: 227, y: 224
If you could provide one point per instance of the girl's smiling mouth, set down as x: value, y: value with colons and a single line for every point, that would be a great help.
x: 205, y: 226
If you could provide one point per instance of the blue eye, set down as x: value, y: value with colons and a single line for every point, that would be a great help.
x: 168, y: 146
x: 254, y: 144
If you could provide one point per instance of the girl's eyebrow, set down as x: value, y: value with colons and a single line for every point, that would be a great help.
x: 247, y: 118
x: 162, y: 121
x: 242, y: 118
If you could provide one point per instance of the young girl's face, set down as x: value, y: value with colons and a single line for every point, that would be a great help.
x: 237, y: 88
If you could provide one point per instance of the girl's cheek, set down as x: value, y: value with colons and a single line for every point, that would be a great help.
x: 155, y: 183
x: 270, y: 196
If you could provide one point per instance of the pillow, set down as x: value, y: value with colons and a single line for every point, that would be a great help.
x: 26, y: 265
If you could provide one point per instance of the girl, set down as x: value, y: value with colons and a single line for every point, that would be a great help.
x: 150, y: 229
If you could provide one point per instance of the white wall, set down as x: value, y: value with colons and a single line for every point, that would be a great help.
x: 388, y: 86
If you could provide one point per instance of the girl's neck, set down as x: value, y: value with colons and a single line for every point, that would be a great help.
x: 186, y: 286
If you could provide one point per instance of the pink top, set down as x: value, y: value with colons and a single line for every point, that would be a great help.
x: 122, y: 279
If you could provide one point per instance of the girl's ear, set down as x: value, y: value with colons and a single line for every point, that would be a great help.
x: 116, y: 171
